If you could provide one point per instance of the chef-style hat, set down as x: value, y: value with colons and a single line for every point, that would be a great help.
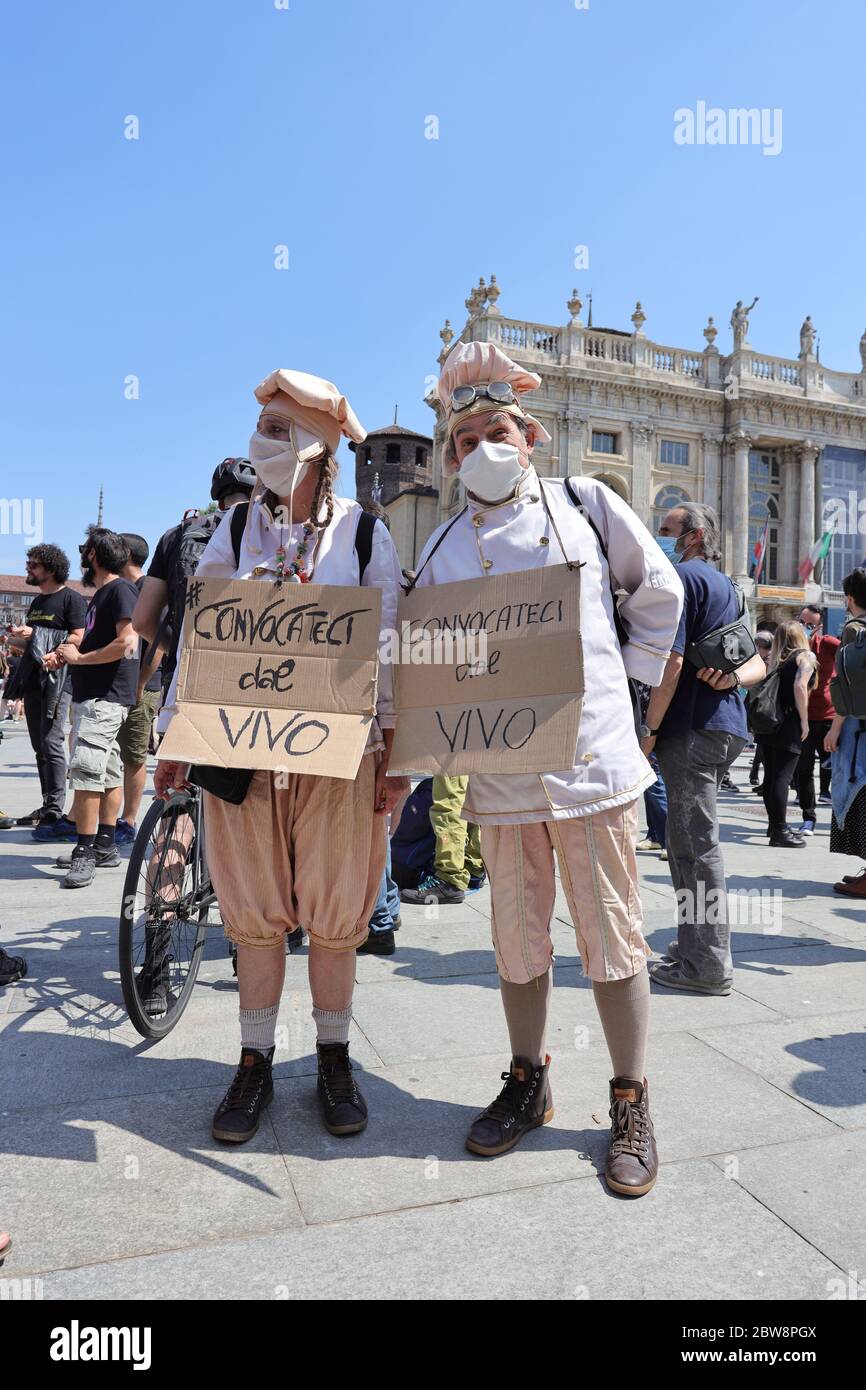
x: 313, y: 403
x: 477, y: 364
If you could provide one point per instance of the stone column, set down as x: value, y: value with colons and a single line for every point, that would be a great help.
x: 806, y: 529
x: 642, y: 434
x: 571, y: 447
x: 741, y: 443
x: 712, y: 461
x: 789, y: 519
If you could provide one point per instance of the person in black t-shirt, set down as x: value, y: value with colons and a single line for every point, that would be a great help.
x: 134, y: 735
x: 104, y: 688
x: 57, y: 609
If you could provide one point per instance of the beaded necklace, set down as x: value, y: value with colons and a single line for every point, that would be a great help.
x: 296, y: 573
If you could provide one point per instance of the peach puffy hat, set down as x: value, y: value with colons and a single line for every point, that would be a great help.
x: 313, y: 403
x: 477, y: 364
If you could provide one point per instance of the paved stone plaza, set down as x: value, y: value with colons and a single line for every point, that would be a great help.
x: 113, y: 1187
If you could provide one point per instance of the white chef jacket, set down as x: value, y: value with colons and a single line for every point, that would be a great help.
x: 609, y: 769
x: 334, y: 561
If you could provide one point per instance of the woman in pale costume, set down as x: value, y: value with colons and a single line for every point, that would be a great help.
x: 300, y: 849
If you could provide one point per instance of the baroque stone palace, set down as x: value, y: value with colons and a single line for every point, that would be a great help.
x: 747, y: 432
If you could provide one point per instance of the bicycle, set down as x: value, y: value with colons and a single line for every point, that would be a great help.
x: 167, y: 895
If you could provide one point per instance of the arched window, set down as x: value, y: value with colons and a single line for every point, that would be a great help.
x: 666, y: 498
x: 615, y: 484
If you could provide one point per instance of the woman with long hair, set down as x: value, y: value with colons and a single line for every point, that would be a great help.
x: 300, y: 849
x: 797, y: 668
x: 845, y: 742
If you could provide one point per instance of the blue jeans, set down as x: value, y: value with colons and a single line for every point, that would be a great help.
x: 656, y: 802
x: 388, y: 902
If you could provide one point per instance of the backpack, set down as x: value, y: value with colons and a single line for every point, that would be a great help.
x: 765, y: 712
x: 848, y: 686
x: 187, y: 550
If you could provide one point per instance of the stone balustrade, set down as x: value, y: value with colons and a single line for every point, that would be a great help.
x: 576, y: 343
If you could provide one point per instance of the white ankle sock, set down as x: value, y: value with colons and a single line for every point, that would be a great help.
x: 258, y: 1027
x: 332, y: 1025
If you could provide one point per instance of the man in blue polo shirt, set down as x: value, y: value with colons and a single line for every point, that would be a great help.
x: 696, y: 726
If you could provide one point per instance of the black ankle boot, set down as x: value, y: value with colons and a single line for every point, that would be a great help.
x: 344, y: 1109
x: 238, y: 1113
x: 524, y: 1103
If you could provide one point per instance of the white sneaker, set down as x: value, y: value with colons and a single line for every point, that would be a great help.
x: 664, y: 854
x: 648, y: 845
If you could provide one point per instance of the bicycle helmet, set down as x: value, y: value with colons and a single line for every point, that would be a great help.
x: 232, y: 475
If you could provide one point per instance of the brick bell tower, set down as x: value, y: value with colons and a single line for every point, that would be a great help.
x: 389, y: 461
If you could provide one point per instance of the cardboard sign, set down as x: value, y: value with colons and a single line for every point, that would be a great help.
x: 518, y: 709
x: 279, y: 677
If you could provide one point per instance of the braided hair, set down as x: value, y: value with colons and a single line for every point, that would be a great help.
x: 324, y: 494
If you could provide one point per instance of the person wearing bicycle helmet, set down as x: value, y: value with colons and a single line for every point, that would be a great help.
x: 232, y: 481
x: 159, y: 608
x: 300, y: 848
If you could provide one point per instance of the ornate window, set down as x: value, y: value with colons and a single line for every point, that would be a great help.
x: 674, y: 451
x: 615, y: 484
x: 665, y: 499
x: 604, y: 442
x: 765, y: 483
x: 842, y: 474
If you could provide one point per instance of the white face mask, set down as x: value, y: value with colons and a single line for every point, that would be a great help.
x: 282, y: 464
x: 491, y: 471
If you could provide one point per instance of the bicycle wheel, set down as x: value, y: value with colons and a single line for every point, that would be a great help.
x: 163, y: 916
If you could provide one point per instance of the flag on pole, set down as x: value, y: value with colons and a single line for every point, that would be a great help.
x: 818, y: 552
x: 761, y: 549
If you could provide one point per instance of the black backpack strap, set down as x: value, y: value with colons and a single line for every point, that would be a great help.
x: 619, y: 625
x: 364, y: 541
x: 573, y: 493
x: 414, y: 580
x: 238, y: 522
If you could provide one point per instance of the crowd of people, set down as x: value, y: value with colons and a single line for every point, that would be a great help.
x: 666, y: 712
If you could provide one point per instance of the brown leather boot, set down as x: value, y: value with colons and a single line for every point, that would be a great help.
x: 524, y: 1103
x: 632, y: 1160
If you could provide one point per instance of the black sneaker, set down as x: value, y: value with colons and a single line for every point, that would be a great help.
x: 378, y: 943
x: 33, y: 818
x: 432, y: 889
x: 58, y: 828
x: 82, y: 868
x: 477, y: 881
x: 523, y: 1104
x: 105, y: 858
x: 237, y: 1116
x: 344, y: 1109
x: 12, y: 968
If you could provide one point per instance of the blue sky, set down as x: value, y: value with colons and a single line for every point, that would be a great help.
x: 305, y: 126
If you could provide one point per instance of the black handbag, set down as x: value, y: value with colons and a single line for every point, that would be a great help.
x: 725, y: 648
x: 228, y: 783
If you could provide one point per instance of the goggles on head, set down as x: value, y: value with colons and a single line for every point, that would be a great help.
x: 500, y: 392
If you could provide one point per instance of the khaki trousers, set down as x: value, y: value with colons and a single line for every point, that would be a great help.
x: 299, y: 851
